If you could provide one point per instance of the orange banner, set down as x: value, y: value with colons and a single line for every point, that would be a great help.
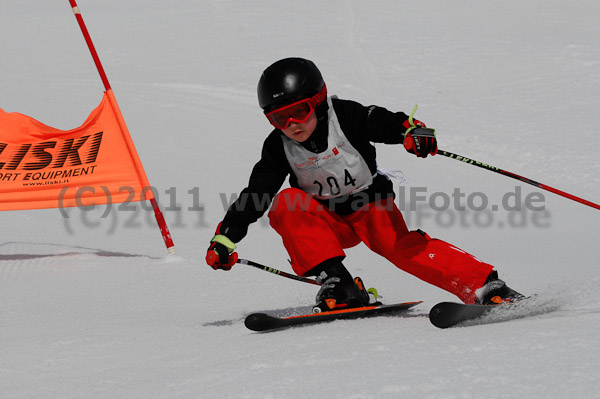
x: 94, y: 164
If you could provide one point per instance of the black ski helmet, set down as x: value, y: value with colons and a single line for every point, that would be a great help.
x: 288, y: 80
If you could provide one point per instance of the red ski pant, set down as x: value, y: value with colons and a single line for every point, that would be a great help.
x: 312, y: 233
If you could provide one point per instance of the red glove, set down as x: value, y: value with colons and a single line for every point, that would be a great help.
x: 220, y: 254
x: 418, y: 139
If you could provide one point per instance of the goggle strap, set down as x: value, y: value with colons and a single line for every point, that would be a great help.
x: 319, y: 97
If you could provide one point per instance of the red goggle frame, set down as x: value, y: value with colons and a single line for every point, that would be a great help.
x: 298, y: 111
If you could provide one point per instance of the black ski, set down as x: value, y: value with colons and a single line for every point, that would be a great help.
x: 449, y: 314
x: 265, y: 322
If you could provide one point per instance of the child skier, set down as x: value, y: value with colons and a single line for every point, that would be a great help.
x: 338, y: 198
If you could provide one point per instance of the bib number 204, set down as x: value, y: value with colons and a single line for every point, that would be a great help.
x: 334, y: 185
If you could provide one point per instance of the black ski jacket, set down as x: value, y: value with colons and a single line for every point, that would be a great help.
x: 361, y: 125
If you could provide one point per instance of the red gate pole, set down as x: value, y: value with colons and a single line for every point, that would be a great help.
x: 162, y: 224
x: 88, y: 40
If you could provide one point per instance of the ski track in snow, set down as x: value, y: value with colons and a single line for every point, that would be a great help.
x: 92, y: 307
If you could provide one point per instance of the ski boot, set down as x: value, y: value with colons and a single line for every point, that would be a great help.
x: 339, y: 290
x: 496, y: 292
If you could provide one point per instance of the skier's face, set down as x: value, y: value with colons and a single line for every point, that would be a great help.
x: 300, y: 132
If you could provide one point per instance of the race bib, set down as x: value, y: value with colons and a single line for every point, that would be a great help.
x: 339, y: 170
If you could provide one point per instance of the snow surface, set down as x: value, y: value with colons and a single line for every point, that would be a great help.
x: 94, y: 308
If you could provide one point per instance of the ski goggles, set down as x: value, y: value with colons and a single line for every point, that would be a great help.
x: 297, y: 112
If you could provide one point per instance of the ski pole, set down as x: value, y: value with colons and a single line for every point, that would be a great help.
x: 277, y: 272
x: 515, y: 176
